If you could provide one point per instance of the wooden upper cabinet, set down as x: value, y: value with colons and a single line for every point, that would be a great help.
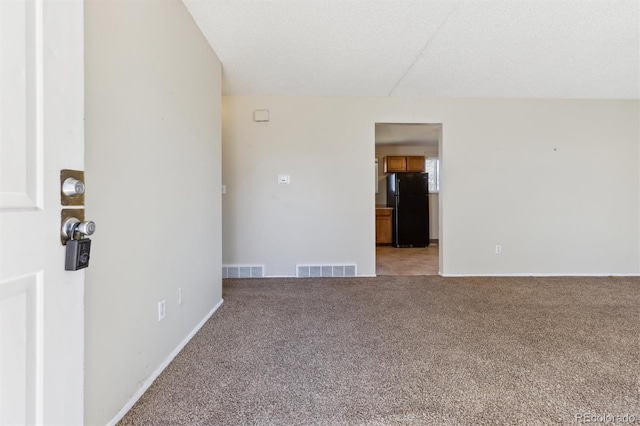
x: 415, y: 163
x: 399, y: 164
x: 395, y: 164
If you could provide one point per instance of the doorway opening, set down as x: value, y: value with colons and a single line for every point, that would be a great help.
x: 408, y: 233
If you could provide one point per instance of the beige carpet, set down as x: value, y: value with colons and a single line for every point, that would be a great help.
x: 407, y: 350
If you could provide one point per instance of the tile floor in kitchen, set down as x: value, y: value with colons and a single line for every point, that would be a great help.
x: 407, y: 261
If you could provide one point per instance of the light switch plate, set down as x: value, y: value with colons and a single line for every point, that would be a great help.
x: 261, y: 115
x: 284, y: 179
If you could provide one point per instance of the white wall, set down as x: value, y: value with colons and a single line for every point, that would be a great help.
x: 381, y: 197
x: 153, y: 152
x: 555, y: 182
x: 311, y: 219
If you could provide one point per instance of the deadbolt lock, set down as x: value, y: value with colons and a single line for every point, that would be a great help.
x: 72, y: 187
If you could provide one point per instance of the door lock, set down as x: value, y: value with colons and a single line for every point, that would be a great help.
x: 72, y: 227
x: 72, y: 187
x: 78, y: 247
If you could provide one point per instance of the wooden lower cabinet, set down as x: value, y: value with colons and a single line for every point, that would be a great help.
x: 383, y: 226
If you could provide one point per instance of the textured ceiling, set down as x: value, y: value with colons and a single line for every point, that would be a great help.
x: 426, y: 48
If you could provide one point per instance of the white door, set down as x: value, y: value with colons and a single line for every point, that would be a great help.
x: 41, y: 132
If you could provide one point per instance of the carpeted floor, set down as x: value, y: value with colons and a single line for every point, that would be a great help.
x: 407, y: 350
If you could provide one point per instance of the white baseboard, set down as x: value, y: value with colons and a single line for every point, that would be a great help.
x: 149, y: 381
x: 279, y: 276
x: 293, y: 276
x: 536, y: 274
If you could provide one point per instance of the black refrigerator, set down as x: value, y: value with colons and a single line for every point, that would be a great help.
x: 408, y: 194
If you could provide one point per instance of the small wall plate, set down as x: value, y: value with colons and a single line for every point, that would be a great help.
x: 78, y: 200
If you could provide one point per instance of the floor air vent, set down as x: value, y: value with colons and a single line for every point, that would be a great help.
x: 316, y: 271
x: 242, y: 271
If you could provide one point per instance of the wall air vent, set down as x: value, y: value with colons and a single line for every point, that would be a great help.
x: 242, y: 271
x: 317, y: 271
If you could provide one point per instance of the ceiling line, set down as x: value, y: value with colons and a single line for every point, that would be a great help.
x: 424, y: 48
